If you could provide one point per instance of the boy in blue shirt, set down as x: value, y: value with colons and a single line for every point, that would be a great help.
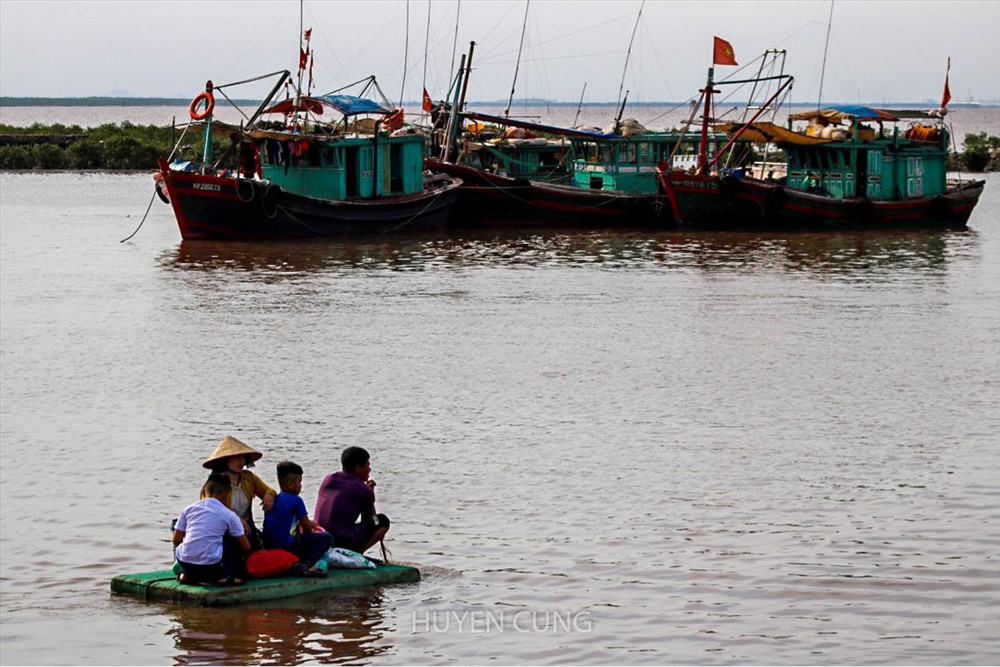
x: 287, y: 525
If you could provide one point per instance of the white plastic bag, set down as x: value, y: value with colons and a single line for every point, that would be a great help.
x: 347, y: 559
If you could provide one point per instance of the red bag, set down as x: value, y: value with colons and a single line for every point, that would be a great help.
x: 270, y: 563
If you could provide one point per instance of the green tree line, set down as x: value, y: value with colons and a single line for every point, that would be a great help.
x: 126, y: 146
x: 113, y: 146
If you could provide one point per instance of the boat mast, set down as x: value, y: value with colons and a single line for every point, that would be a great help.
x: 576, y: 118
x: 427, y: 41
x: 822, y: 74
x: 703, y: 146
x: 621, y: 110
x: 454, y: 43
x: 298, y: 85
x: 450, y: 128
x: 628, y: 53
x: 406, y: 51
x: 517, y: 67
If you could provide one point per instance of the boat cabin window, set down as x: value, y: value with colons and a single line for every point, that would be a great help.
x: 331, y: 156
x: 647, y: 153
x: 312, y: 157
x: 550, y: 160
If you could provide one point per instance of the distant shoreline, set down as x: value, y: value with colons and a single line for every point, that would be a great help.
x: 172, y: 101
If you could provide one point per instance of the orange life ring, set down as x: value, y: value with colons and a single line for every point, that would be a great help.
x: 209, y: 100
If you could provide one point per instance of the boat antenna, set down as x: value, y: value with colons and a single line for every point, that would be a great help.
x: 627, y: 55
x: 427, y: 41
x: 454, y: 44
x: 576, y: 118
x: 406, y: 52
x: 621, y: 110
x: 822, y: 74
x: 517, y: 67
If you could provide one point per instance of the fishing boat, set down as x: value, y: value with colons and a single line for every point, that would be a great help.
x: 334, y: 165
x: 519, y: 172
x: 845, y: 166
x: 570, y: 177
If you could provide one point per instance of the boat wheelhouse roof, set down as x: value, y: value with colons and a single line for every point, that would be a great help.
x: 848, y: 112
x: 528, y: 125
x: 348, y: 105
x: 766, y: 133
x: 852, y: 112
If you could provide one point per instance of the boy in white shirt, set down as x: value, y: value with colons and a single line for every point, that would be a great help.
x: 203, y: 547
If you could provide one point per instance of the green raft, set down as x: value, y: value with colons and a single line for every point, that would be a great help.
x: 163, y: 585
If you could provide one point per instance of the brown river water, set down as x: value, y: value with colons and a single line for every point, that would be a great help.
x: 599, y: 447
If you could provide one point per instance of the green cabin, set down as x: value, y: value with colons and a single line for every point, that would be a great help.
x: 591, y: 159
x: 628, y: 163
x: 861, y: 162
x: 349, y: 167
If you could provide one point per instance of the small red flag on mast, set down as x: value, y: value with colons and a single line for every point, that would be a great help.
x: 722, y: 53
x: 428, y: 104
x: 946, y: 97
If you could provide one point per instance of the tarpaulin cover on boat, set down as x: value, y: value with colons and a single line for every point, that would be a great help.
x: 550, y: 129
x: 763, y: 133
x: 847, y: 112
x: 349, y: 105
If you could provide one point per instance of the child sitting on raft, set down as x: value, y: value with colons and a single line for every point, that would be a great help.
x: 287, y: 524
x: 207, y: 539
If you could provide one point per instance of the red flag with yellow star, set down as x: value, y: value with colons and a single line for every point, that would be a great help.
x: 723, y: 53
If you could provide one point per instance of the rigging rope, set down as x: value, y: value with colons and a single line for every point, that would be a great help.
x: 517, y: 67
x: 629, y: 53
x: 406, y: 52
x: 143, y: 218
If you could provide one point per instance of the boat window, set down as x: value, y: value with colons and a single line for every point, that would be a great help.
x: 313, y: 155
x: 647, y: 153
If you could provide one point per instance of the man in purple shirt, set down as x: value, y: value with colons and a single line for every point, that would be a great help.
x: 346, y: 496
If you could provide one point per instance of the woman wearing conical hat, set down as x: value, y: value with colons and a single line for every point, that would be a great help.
x: 232, y: 458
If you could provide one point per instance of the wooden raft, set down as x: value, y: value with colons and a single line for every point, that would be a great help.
x: 163, y: 585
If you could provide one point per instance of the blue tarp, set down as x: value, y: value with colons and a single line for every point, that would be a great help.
x: 349, y: 105
x: 862, y: 112
x: 845, y: 112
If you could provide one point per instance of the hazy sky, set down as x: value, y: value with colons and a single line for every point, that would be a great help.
x: 879, y: 50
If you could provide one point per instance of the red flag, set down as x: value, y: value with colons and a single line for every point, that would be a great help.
x: 303, y: 56
x: 312, y: 61
x: 428, y: 104
x: 308, y: 34
x: 723, y: 53
x: 946, y: 97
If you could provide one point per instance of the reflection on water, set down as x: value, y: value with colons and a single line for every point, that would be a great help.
x: 819, y: 253
x: 723, y: 448
x: 339, y: 627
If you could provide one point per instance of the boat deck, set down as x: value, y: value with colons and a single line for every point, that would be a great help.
x: 163, y: 585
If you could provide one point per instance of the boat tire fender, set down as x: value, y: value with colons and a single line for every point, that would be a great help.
x: 209, y: 100
x: 240, y: 183
x: 269, y: 200
x: 159, y: 188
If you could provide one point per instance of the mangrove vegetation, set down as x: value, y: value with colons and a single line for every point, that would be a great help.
x: 129, y: 147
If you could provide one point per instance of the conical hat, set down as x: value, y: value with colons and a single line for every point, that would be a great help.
x: 230, y: 446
